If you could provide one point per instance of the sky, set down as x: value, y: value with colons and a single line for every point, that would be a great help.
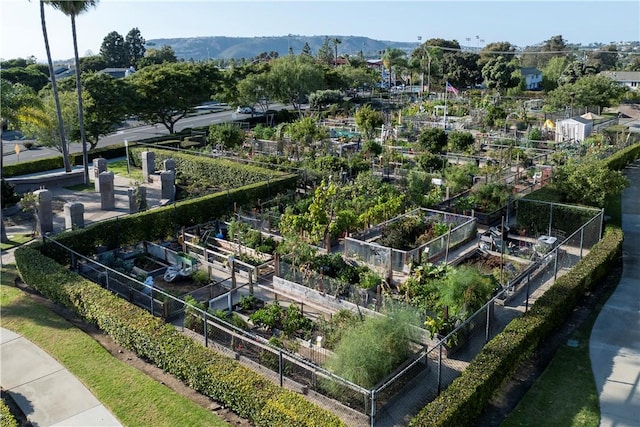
x: 472, y: 23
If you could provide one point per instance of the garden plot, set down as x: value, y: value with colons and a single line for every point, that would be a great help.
x: 408, y: 239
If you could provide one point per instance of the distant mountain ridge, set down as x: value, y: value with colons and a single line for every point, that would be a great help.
x: 221, y: 47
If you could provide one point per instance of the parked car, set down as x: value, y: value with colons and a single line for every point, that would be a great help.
x: 244, y: 110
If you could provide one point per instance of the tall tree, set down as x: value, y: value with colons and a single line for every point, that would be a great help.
x: 306, y: 50
x: 73, y: 9
x: 552, y: 72
x: 134, y: 46
x: 498, y: 73
x: 336, y: 41
x: 165, y: 93
x: 462, y: 69
x: 19, y: 104
x: 54, y: 87
x: 113, y: 50
x: 506, y: 49
x: 574, y: 71
x: 325, y: 54
x: 106, y: 104
x: 157, y: 56
x: 297, y: 77
x: 393, y: 60
x: 604, y: 59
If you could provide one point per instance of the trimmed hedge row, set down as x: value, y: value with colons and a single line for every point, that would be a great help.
x: 247, y: 393
x: 159, y: 223
x: 6, y: 417
x: 465, y: 399
x: 55, y: 162
x: 207, y: 171
x: 622, y: 158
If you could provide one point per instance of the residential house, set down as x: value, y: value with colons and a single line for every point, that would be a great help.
x: 63, y: 72
x: 631, y: 79
x: 532, y: 78
x: 118, y: 73
x: 574, y: 129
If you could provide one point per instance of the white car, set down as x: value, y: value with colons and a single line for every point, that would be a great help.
x: 244, y: 110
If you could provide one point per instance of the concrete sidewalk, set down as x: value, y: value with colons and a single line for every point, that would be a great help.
x: 614, y: 345
x: 47, y: 393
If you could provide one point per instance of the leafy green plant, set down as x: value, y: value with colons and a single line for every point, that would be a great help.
x: 268, y: 317
x: 372, y: 349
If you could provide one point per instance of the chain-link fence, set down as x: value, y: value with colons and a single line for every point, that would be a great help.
x: 362, y: 246
x: 298, y: 365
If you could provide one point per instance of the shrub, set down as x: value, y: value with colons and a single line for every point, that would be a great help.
x: 245, y: 392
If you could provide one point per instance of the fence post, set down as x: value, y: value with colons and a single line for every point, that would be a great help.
x: 488, y: 326
x: 440, y: 344
x: 206, y: 332
x: 526, y: 301
x: 555, y: 265
x: 151, y: 300
x: 281, y: 367
x: 373, y: 408
x: 581, y: 240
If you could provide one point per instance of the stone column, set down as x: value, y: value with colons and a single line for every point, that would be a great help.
x: 169, y: 165
x: 73, y: 216
x: 148, y: 165
x: 137, y: 205
x: 99, y: 166
x: 44, y: 211
x: 167, y: 185
x: 107, y: 193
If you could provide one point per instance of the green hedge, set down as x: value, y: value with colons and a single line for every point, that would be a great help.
x: 55, y: 162
x: 622, y: 158
x: 6, y: 417
x: 163, y: 222
x: 247, y: 393
x: 206, y: 171
x: 465, y: 399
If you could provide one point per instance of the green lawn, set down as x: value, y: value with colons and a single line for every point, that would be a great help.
x: 119, y: 167
x: 16, y: 240
x: 565, y: 394
x: 132, y: 396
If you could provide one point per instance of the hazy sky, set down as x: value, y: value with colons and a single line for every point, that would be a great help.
x: 522, y: 23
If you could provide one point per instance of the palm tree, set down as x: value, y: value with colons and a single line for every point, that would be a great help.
x: 54, y: 86
x: 73, y: 9
x: 392, y: 59
x: 336, y: 42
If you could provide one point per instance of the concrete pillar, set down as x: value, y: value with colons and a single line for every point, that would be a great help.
x: 148, y: 165
x: 167, y: 185
x: 73, y: 216
x: 107, y: 193
x: 133, y: 208
x: 137, y: 204
x: 44, y: 211
x: 169, y: 165
x: 99, y: 166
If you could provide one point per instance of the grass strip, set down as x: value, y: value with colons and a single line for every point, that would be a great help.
x: 133, y: 397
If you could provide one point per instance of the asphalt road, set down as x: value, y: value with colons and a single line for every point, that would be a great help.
x: 130, y: 133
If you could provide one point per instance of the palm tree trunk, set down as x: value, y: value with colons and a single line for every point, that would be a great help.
x: 65, y: 148
x: 83, y: 137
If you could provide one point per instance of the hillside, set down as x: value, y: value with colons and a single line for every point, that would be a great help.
x: 220, y: 47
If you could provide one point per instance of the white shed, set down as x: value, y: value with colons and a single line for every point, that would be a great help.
x: 574, y: 129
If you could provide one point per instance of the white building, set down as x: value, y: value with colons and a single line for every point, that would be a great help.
x: 532, y: 78
x: 574, y: 129
x: 631, y: 79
